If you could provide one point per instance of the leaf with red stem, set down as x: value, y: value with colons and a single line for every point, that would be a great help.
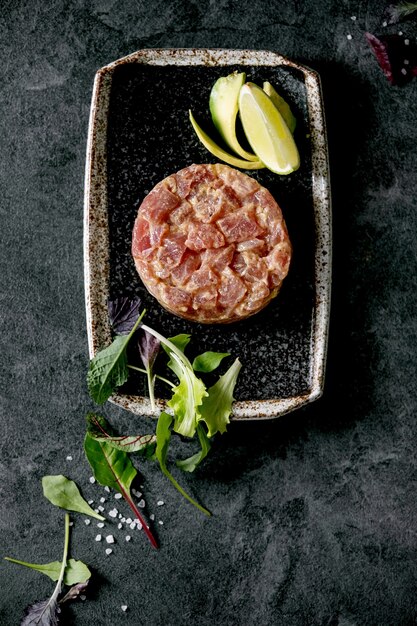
x: 113, y: 468
x: 100, y: 430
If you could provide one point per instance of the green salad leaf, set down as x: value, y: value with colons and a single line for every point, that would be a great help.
x: 64, y: 493
x: 75, y: 571
x: 189, y: 465
x: 208, y: 361
x: 217, y: 406
x: 100, y: 430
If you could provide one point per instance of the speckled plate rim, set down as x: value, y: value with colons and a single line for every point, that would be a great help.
x: 96, y: 231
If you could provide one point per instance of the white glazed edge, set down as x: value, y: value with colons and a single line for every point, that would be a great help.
x: 96, y: 249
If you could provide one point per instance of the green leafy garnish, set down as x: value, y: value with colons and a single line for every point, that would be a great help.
x: 208, y: 361
x: 100, y: 430
x: 75, y: 571
x: 217, y: 406
x: 109, y: 369
x: 163, y: 438
x: 189, y: 465
x: 64, y: 493
x: 112, y: 467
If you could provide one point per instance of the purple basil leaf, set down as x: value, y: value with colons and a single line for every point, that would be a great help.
x: 74, y: 592
x: 43, y: 613
x: 123, y: 313
x: 397, y: 60
x: 148, y: 348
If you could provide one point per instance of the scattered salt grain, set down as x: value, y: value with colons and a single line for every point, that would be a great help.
x: 92, y: 480
x: 123, y: 520
x: 160, y: 503
x: 124, y: 607
x: 400, y: 33
x: 152, y: 516
x: 120, y: 516
x: 349, y: 37
x: 83, y: 597
x: 117, y: 496
x: 406, y: 42
x: 108, y: 551
x: 113, y: 513
x: 141, y: 486
x: 128, y: 520
x: 161, y: 522
x: 102, y: 500
x: 100, y: 508
x: 96, y: 511
x: 141, y: 504
x: 136, y: 493
x: 353, y: 18
x: 87, y: 522
x: 107, y: 489
x: 100, y: 525
x: 406, y: 62
x: 128, y: 537
x: 384, y: 24
x: 132, y: 526
x: 90, y: 501
x: 403, y: 71
x: 98, y: 537
x: 119, y: 526
x: 110, y: 539
x: 69, y: 458
x: 71, y: 524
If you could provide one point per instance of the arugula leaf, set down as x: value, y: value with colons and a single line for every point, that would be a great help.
x: 45, y: 613
x: 123, y: 313
x: 189, y: 465
x: 217, y: 406
x: 208, y: 361
x: 190, y: 391
x: 113, y: 468
x: 163, y: 438
x: 75, y: 571
x: 64, y: 493
x: 100, y: 430
x: 108, y: 370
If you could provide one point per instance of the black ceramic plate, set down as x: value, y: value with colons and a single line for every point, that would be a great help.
x: 139, y: 134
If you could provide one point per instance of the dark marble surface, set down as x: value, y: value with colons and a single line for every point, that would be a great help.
x: 315, y: 514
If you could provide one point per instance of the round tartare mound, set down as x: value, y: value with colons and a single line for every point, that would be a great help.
x: 210, y: 244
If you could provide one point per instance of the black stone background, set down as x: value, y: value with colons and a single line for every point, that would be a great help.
x: 314, y: 514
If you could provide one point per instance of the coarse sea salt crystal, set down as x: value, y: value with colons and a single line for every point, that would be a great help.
x: 92, y: 480
x: 119, y: 526
x: 100, y: 508
x: 87, y: 522
x: 353, y: 18
x: 113, y: 513
x: 349, y: 37
x: 107, y: 489
x: 110, y: 539
x: 124, y: 607
x: 102, y: 500
x: 100, y: 525
x: 69, y: 458
x: 83, y: 597
x: 71, y: 524
x: 128, y: 537
x: 98, y: 537
x: 108, y: 551
x: 141, y: 504
x: 90, y: 501
x: 161, y: 522
x: 123, y: 519
x: 406, y: 42
x: 132, y: 526
x: 128, y: 520
x: 152, y: 516
x: 403, y: 71
x: 117, y: 496
x: 160, y: 503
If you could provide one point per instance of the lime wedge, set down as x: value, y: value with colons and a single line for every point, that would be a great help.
x: 266, y: 130
x: 221, y: 154
x: 282, y: 106
x: 224, y: 107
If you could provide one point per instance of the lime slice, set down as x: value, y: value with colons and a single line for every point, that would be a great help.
x: 282, y: 106
x: 224, y: 107
x: 221, y: 154
x: 266, y: 130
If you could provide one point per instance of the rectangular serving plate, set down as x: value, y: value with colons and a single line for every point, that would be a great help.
x: 138, y: 134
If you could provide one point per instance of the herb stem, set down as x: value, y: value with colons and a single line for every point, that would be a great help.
x: 184, y: 493
x: 142, y: 371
